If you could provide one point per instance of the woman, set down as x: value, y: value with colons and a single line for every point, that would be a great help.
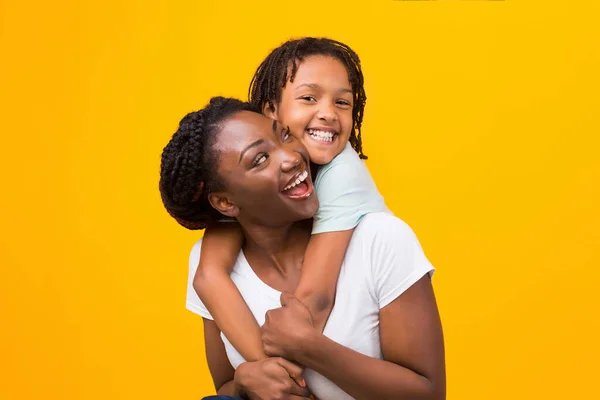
x: 383, y: 338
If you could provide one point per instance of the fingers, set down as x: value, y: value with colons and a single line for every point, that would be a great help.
x: 294, y: 371
x: 294, y: 397
x: 296, y: 391
x: 289, y: 376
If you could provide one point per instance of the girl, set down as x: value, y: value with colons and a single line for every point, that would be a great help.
x: 315, y: 87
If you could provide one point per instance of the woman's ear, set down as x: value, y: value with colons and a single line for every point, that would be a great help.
x: 223, y: 204
x: 268, y: 112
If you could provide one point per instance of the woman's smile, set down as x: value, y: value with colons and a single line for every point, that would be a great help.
x: 300, y: 186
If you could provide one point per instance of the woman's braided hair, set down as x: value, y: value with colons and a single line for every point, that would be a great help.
x: 188, y: 164
x: 272, y: 75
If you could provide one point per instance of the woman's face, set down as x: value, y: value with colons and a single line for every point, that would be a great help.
x: 265, y: 171
x: 317, y: 107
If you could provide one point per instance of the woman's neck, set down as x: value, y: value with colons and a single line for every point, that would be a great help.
x: 280, y: 249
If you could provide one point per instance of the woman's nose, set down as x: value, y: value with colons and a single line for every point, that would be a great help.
x: 291, y: 161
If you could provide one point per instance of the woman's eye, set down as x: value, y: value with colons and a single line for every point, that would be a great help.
x: 260, y: 159
x: 286, y: 135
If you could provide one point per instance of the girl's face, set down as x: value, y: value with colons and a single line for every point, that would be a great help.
x: 317, y: 107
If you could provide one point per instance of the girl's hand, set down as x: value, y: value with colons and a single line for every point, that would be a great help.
x: 286, y: 329
x: 271, y: 378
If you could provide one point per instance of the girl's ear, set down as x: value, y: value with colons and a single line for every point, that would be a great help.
x: 268, y: 112
x: 223, y: 204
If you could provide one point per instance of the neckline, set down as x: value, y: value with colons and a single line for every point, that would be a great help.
x: 245, y: 269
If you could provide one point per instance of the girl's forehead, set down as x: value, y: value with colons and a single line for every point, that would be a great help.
x: 319, y: 64
x: 320, y: 73
x: 319, y: 70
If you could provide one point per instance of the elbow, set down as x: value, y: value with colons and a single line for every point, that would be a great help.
x: 425, y: 389
x: 317, y: 302
x: 203, y: 281
x: 437, y: 394
x: 435, y: 390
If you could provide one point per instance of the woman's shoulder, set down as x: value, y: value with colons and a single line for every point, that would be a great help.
x: 392, y: 254
x: 383, y: 226
x: 194, y: 258
x: 195, y: 254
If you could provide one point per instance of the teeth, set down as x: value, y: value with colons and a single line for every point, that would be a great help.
x: 301, y: 178
x: 321, y: 135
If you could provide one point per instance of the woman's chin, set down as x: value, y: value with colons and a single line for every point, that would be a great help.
x: 311, y: 210
x: 307, y: 209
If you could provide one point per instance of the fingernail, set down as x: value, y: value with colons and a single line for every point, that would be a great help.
x: 303, y: 383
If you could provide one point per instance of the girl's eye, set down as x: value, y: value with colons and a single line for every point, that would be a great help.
x: 308, y: 98
x: 260, y: 159
x: 343, y: 102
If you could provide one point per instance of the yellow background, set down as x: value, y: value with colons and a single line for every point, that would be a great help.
x: 482, y: 131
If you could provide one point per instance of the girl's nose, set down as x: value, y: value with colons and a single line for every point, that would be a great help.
x: 327, y: 112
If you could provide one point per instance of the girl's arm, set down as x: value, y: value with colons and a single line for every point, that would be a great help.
x: 320, y: 270
x: 220, y: 248
x: 346, y: 194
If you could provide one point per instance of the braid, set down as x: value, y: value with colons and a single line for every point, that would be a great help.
x: 189, y: 161
x: 271, y: 76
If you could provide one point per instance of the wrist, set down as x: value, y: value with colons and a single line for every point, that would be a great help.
x: 309, y: 347
x: 240, y: 379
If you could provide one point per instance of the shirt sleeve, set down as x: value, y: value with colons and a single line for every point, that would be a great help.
x: 397, y: 259
x: 193, y: 302
x: 346, y: 193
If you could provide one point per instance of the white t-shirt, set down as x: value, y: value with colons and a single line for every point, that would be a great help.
x: 346, y: 193
x: 384, y: 258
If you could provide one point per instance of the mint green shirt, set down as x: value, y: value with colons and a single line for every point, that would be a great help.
x: 346, y: 193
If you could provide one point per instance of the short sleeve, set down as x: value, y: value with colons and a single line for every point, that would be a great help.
x: 346, y: 193
x: 397, y: 259
x: 193, y: 302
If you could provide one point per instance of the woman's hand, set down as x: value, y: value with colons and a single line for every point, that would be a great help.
x: 271, y: 378
x: 286, y: 329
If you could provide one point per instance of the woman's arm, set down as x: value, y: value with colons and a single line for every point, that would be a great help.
x: 271, y: 378
x: 221, y: 371
x: 220, y: 248
x: 320, y: 270
x: 412, y: 346
x: 411, y: 341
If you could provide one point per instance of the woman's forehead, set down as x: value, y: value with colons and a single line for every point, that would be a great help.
x: 243, y: 128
